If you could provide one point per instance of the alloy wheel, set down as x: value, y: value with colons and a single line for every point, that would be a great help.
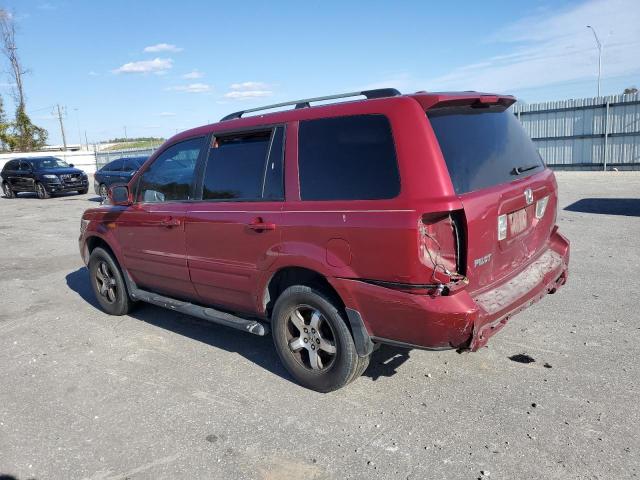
x: 311, y: 338
x: 106, y: 282
x: 104, y: 192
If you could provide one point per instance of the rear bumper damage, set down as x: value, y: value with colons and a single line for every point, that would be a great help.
x: 542, y: 276
x: 461, y: 320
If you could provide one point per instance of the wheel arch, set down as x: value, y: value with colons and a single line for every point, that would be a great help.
x: 287, y: 276
x: 290, y: 275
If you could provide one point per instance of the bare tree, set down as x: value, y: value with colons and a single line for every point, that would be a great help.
x: 21, y: 134
x: 9, y: 49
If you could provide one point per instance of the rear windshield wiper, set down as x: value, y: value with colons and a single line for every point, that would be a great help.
x: 521, y: 170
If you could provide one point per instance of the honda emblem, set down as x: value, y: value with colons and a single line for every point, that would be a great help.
x: 528, y: 196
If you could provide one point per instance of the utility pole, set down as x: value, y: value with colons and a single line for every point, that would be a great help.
x: 78, y: 125
x: 125, y: 134
x: 595, y: 35
x: 64, y: 139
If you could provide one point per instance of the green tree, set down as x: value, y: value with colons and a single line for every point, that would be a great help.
x: 23, y: 135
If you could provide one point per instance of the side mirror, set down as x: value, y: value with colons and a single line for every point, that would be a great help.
x: 71, y: 165
x: 119, y: 195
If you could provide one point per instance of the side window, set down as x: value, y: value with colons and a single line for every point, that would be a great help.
x: 114, y: 166
x: 130, y: 165
x: 245, y: 167
x: 273, y: 186
x: 347, y: 158
x: 25, y: 167
x: 170, y: 177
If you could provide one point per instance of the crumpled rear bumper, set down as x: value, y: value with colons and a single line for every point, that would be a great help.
x: 461, y: 320
x: 542, y: 276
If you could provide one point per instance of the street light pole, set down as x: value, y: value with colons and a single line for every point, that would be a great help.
x: 595, y: 35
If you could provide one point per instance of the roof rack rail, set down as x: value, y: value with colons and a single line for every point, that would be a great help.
x: 305, y: 103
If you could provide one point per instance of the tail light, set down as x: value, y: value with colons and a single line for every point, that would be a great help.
x: 502, y: 227
x: 441, y: 245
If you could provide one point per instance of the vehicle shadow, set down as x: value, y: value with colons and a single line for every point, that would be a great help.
x: 384, y: 362
x: 607, y: 206
x: 33, y: 196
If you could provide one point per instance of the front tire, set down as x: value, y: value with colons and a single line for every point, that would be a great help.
x: 41, y: 192
x: 8, y: 192
x: 84, y: 191
x: 108, y: 283
x: 313, y: 341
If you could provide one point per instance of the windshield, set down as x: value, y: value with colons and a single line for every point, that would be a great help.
x: 48, y: 162
x: 483, y: 147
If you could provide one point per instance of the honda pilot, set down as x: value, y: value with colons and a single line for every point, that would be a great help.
x: 425, y: 220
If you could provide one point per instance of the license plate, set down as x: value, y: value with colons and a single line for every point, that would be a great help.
x: 517, y: 222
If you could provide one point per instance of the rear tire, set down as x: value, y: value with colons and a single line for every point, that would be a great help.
x: 41, y: 192
x: 8, y: 192
x: 103, y: 191
x: 312, y: 340
x: 108, y: 283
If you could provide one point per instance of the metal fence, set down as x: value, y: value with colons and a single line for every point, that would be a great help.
x: 104, y: 157
x: 586, y: 133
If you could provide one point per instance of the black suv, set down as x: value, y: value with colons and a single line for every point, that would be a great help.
x: 42, y: 175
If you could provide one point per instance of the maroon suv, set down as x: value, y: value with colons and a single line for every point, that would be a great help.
x: 423, y: 220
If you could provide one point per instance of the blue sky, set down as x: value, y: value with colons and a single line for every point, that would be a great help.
x: 161, y: 66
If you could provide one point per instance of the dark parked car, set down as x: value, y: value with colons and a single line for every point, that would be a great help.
x: 425, y: 220
x: 116, y: 172
x: 43, y: 175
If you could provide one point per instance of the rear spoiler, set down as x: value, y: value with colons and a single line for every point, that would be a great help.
x: 458, y: 99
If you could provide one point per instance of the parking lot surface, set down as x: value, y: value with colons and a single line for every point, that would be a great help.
x: 160, y: 395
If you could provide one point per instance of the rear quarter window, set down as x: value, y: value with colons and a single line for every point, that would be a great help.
x: 347, y: 158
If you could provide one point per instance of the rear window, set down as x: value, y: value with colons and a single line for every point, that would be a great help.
x: 483, y: 147
x: 12, y: 165
x: 347, y: 158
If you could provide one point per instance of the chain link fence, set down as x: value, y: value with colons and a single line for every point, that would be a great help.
x: 104, y: 157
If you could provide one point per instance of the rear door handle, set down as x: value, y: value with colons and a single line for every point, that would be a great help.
x: 170, y: 222
x: 259, y: 226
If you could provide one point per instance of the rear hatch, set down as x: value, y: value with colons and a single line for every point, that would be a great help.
x: 508, y: 195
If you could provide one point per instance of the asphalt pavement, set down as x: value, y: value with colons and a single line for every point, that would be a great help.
x: 84, y: 395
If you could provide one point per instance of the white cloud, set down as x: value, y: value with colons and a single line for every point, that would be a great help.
x: 244, y: 90
x: 166, y: 114
x: 162, y: 47
x: 552, y: 48
x: 555, y: 48
x: 191, y: 88
x: 237, y: 94
x: 194, y: 74
x: 157, y: 66
x: 249, y: 86
x: 47, y: 6
x: 93, y: 74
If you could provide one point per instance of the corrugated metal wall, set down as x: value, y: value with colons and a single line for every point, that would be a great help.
x: 586, y: 133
